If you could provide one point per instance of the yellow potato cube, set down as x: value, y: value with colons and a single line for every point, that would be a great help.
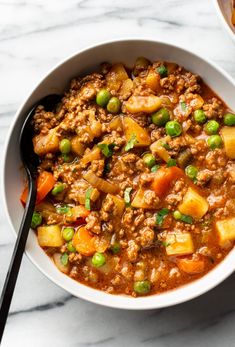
x: 147, y: 104
x: 76, y: 146
x: 94, y: 154
x: 50, y: 236
x: 48, y: 143
x: 116, y: 76
x: 140, y: 202
x: 119, y: 204
x: 228, y: 135
x: 226, y: 230
x: 193, y: 204
x: 153, y: 80
x: 179, y: 244
x: 131, y: 128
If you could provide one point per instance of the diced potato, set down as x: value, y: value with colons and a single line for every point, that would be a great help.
x: 102, y: 242
x: 153, y: 80
x: 157, y: 148
x: 139, y: 200
x: 193, y: 204
x: 147, y: 104
x: 96, y: 128
x: 76, y: 146
x: 48, y: 143
x: 116, y: 123
x: 95, y: 125
x: 226, y: 230
x: 119, y: 204
x: 58, y: 263
x: 131, y: 127
x: 228, y: 136
x: 126, y: 89
x: 94, y: 154
x: 50, y: 236
x: 197, y: 102
x: 116, y: 76
x: 179, y: 244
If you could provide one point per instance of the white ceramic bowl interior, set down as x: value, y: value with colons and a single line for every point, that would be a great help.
x: 224, y: 11
x: 56, y: 82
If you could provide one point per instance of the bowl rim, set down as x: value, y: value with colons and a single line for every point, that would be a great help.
x: 223, y: 20
x: 105, y: 299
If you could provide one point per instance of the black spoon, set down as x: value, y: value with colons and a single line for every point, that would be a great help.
x: 30, y: 162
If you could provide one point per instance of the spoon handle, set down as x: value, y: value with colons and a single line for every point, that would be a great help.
x: 13, y: 270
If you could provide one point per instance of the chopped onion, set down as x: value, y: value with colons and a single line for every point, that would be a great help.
x: 100, y: 183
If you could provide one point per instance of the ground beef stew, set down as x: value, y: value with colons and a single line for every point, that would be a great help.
x: 136, y: 182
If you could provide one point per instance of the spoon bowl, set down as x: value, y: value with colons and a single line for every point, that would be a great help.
x: 30, y: 162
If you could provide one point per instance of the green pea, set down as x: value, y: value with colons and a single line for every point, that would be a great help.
x: 211, y: 127
x: 36, y: 220
x: 98, y: 259
x: 114, y: 105
x: 142, y: 287
x: 149, y: 159
x: 214, y: 141
x: 191, y: 171
x: 177, y: 215
x: 162, y: 70
x: 70, y: 247
x: 103, y: 97
x: 161, y: 117
x: 173, y: 128
x: 115, y: 248
x: 65, y: 146
x: 229, y: 119
x: 68, y: 233
x: 58, y: 188
x: 199, y: 116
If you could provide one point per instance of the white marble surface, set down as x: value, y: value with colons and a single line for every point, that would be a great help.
x: 35, y: 35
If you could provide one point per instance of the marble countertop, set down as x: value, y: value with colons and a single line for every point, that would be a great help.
x: 35, y: 35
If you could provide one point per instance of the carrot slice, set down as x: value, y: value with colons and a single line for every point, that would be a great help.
x: 164, y: 178
x: 45, y: 183
x: 191, y: 266
x: 83, y: 241
x: 77, y: 215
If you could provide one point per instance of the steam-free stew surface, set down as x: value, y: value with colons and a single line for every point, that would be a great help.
x: 136, y: 185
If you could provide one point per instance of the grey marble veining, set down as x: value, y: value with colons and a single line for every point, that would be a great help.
x: 35, y: 35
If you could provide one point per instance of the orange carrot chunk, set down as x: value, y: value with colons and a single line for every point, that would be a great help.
x: 83, y: 241
x: 164, y: 178
x: 191, y: 266
x: 45, y: 183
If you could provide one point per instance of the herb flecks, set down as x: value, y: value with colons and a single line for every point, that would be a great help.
x: 131, y: 143
x: 88, y: 198
x: 160, y: 215
x: 106, y: 149
x: 186, y: 219
x: 183, y: 106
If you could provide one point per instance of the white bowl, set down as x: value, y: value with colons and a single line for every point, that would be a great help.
x: 57, y: 81
x: 224, y: 11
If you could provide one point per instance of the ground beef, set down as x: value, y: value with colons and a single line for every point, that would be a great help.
x: 146, y: 237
